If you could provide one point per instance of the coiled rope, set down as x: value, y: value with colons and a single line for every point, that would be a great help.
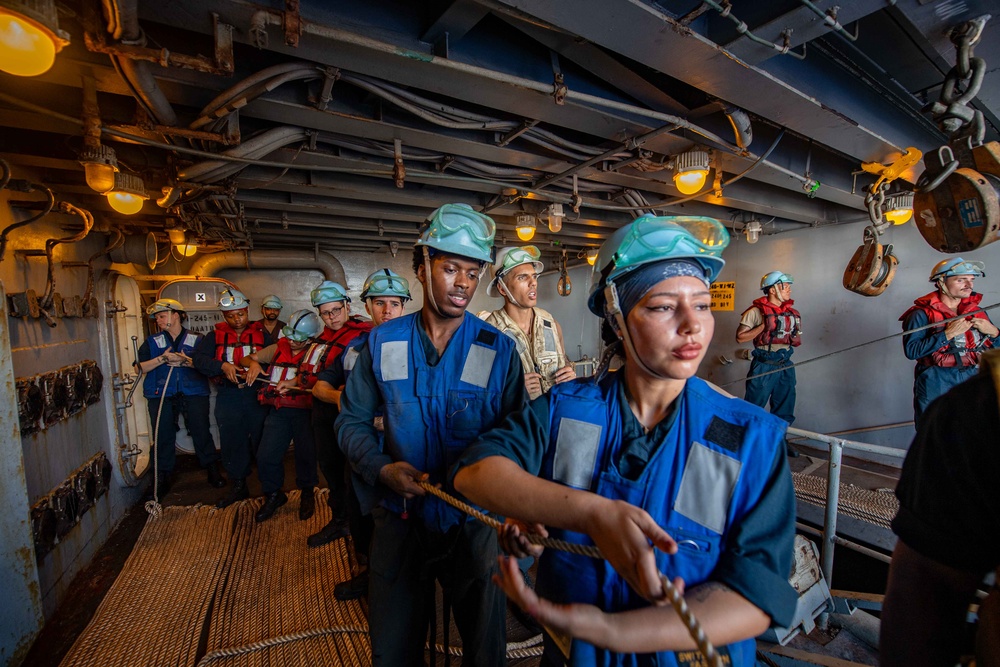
x: 860, y: 345
x: 673, y: 595
x: 223, y: 653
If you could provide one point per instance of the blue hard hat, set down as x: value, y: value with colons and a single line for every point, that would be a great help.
x: 457, y: 229
x: 328, y: 291
x: 385, y: 282
x: 775, y: 277
x: 232, y: 299
x: 302, y: 325
x: 956, y: 266
x: 271, y: 301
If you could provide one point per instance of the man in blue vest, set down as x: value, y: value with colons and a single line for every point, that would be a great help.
x: 164, y: 354
x: 441, y: 376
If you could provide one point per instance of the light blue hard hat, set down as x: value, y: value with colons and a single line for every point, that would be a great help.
x: 302, y: 325
x: 956, y: 266
x: 385, y: 282
x: 271, y: 301
x: 457, y: 229
x: 328, y: 291
x: 775, y: 277
x: 232, y: 299
x: 651, y: 239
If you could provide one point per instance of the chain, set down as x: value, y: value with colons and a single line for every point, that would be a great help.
x: 952, y: 112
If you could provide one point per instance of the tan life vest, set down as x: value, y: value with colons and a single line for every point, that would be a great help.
x: 543, y: 353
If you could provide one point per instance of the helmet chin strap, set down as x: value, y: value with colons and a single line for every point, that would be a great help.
x: 428, y: 283
x: 507, y: 293
x: 613, y: 308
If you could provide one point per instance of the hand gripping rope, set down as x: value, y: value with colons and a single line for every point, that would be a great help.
x: 673, y: 595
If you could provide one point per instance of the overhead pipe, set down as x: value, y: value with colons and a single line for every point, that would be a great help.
x: 210, y: 265
x: 263, y: 144
x: 123, y: 24
x: 88, y: 222
x: 25, y: 186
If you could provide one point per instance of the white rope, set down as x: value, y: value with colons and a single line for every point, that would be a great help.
x: 153, y: 506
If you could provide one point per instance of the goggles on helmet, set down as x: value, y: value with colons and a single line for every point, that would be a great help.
x: 958, y: 267
x: 457, y: 218
x: 518, y: 256
x: 382, y: 284
x: 704, y: 235
x: 231, y: 299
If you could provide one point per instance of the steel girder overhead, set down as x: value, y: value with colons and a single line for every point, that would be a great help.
x: 349, y: 122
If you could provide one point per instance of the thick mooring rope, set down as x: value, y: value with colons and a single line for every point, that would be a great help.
x: 673, y: 595
x: 223, y: 653
x: 153, y: 506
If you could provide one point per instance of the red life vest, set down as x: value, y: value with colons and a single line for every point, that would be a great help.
x: 951, y: 355
x: 781, y: 324
x: 230, y: 347
x: 285, y: 366
x: 329, y: 345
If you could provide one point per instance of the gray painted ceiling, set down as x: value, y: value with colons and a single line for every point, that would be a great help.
x: 351, y: 121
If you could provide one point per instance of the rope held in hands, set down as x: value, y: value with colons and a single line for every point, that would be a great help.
x: 673, y: 595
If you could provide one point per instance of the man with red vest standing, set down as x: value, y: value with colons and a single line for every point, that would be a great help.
x: 290, y: 417
x: 239, y: 416
x: 775, y: 328
x: 946, y: 355
x: 333, y: 305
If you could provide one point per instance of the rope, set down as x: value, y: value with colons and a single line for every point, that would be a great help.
x: 153, y: 506
x: 673, y: 595
x: 235, y: 652
x: 860, y: 345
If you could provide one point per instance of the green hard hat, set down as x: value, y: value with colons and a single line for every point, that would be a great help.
x: 457, y: 229
x: 385, y: 282
x: 509, y: 258
x: 328, y: 291
x: 651, y: 239
x: 302, y: 325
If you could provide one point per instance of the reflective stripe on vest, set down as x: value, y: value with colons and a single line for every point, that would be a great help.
x: 781, y: 324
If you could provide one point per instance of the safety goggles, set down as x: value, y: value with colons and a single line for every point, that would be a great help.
x: 785, y: 279
x: 519, y: 256
x: 382, y: 283
x: 227, y: 300
x: 480, y: 227
x: 664, y: 238
x: 967, y: 268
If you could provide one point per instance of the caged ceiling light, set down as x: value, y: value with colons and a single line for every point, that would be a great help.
x: 898, y: 207
x: 30, y: 36
x: 591, y: 256
x: 555, y: 215
x: 100, y: 164
x: 128, y: 194
x: 691, y: 171
x: 525, y: 226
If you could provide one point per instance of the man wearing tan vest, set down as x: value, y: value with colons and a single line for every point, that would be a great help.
x: 538, y: 336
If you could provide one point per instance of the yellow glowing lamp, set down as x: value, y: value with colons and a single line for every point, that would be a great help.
x: 899, y: 208
x: 525, y: 226
x: 186, y: 249
x: 100, y: 164
x: 691, y: 171
x: 592, y: 256
x: 30, y: 36
x: 128, y: 195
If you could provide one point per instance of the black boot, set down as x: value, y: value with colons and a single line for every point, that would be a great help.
x: 336, y: 529
x: 237, y: 492
x: 215, y: 476
x: 271, y: 504
x: 352, y: 589
x: 307, y: 504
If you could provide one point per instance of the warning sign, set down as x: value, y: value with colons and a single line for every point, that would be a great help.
x: 201, y: 297
x: 723, y: 296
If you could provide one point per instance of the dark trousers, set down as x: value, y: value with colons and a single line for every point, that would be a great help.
x: 195, y: 411
x: 332, y: 462
x: 776, y: 388
x: 405, y: 560
x: 241, y: 424
x: 930, y: 382
x: 362, y: 525
x: 281, y: 427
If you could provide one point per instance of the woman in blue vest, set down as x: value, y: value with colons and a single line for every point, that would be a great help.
x: 168, y: 352
x: 649, y: 453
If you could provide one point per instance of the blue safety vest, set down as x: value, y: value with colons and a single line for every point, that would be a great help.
x: 432, y: 413
x: 186, y: 381
x: 709, y: 472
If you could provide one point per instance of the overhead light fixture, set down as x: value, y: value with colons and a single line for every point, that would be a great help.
x: 752, y: 229
x: 100, y: 164
x: 691, y: 171
x: 525, y: 226
x: 899, y: 207
x: 592, y: 256
x: 555, y: 217
x: 30, y: 36
x: 186, y: 249
x: 128, y: 194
